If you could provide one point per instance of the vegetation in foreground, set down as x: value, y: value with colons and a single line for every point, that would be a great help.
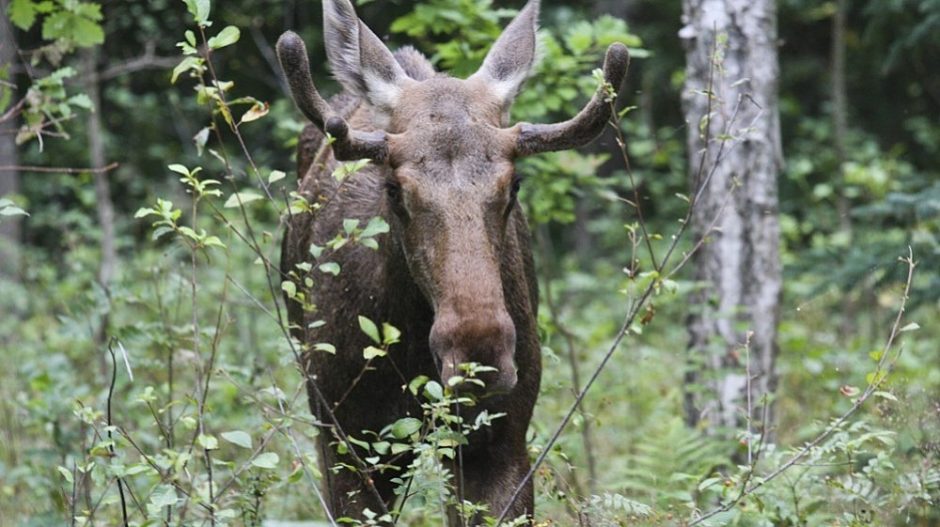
x: 169, y: 391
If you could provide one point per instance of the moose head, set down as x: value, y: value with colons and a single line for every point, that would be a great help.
x: 446, y: 152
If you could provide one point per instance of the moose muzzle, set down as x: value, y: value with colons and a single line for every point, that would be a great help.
x: 483, y: 336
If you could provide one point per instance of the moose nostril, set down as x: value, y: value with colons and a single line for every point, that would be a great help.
x: 488, y: 341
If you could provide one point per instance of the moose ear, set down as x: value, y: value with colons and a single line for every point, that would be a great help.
x: 359, y: 59
x: 509, y: 60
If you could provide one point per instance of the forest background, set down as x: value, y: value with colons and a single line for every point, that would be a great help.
x: 105, y: 111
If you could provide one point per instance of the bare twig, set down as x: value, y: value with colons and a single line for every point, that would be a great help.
x: 58, y: 170
x: 586, y: 435
x: 13, y: 111
x: 149, y: 60
x: 120, y: 480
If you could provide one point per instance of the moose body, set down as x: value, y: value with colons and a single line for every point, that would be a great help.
x: 454, y: 273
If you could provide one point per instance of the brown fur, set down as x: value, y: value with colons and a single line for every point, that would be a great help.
x: 455, y: 272
x: 481, y: 271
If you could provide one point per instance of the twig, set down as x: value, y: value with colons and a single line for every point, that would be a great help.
x: 13, y: 111
x: 622, y: 146
x: 149, y: 60
x: 74, y: 492
x: 586, y: 435
x: 58, y: 170
x: 120, y: 480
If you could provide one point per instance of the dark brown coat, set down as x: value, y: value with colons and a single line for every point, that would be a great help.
x: 455, y: 272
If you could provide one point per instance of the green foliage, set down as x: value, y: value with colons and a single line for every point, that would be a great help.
x: 215, y: 386
x: 69, y: 23
x: 8, y: 208
x: 435, y: 24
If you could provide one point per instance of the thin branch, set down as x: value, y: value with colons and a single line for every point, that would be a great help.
x: 120, y: 480
x: 58, y: 170
x: 149, y: 60
x: 544, y: 241
x: 13, y: 111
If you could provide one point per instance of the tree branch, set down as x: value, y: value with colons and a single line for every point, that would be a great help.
x: 58, y: 170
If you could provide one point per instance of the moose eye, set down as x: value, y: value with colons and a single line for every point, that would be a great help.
x: 516, y: 183
x: 393, y: 190
x: 513, y: 192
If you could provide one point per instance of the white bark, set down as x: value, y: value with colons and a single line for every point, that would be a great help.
x: 9, y: 179
x: 739, y: 265
x: 96, y: 154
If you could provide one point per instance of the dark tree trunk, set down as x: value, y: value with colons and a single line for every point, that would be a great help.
x: 733, y: 322
x: 840, y: 127
x: 9, y: 179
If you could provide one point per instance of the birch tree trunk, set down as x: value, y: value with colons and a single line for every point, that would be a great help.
x: 733, y: 143
x: 96, y: 154
x: 9, y: 179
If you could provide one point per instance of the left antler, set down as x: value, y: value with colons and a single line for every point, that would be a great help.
x: 588, y: 124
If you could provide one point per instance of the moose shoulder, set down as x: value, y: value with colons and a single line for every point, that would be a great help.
x: 454, y: 273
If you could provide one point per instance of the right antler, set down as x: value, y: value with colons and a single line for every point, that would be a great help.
x: 348, y: 144
x: 590, y: 121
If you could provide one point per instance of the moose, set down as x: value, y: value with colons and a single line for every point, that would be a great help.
x: 454, y: 273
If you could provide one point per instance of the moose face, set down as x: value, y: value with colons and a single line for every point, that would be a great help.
x: 449, y: 156
x: 451, y: 190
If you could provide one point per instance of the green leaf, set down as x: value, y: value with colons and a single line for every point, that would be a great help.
x: 268, y: 460
x: 326, y: 347
x: 78, y: 27
x: 228, y: 36
x: 417, y: 383
x: 187, y: 64
x: 22, y: 13
x: 372, y: 352
x: 164, y: 496
x: 12, y: 210
x: 368, y: 327
x: 276, y: 175
x: 913, y: 326
x: 238, y: 437
x: 81, y: 100
x: 330, y: 268
x: 376, y: 225
x: 434, y: 390
x: 345, y: 170
x: 289, y: 288
x: 66, y: 473
x: 179, y: 169
x: 390, y: 334
x: 876, y: 377
x: 200, y: 140
x: 885, y: 395
x: 404, y: 427
x: 208, y: 442
x: 241, y: 198
x: 350, y: 224
x: 200, y: 10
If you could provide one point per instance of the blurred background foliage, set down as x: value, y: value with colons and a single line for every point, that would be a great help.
x: 845, y: 216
